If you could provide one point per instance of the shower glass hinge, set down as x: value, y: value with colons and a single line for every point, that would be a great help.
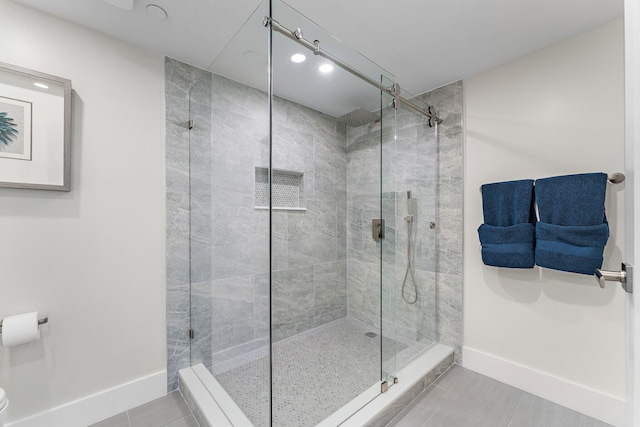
x: 384, y: 386
x: 191, y: 334
x: 190, y: 124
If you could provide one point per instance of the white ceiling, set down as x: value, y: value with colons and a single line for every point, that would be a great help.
x: 424, y: 43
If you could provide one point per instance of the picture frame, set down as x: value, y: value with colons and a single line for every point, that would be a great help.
x: 35, y: 130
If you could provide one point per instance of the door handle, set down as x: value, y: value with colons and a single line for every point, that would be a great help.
x: 624, y: 276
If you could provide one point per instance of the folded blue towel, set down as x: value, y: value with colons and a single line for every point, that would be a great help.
x: 508, y: 233
x: 508, y: 246
x: 572, y: 199
x: 573, y: 228
x: 508, y: 203
x: 577, y: 249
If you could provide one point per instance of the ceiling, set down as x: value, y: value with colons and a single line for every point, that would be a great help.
x: 424, y: 43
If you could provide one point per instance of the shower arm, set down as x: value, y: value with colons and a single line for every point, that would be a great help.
x: 393, y: 90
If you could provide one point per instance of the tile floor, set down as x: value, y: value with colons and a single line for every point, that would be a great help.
x: 168, y: 411
x: 459, y: 398
x: 462, y: 398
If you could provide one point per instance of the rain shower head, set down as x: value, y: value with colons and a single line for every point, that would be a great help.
x: 358, y: 117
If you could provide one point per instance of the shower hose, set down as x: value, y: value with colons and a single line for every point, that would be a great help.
x: 410, y: 264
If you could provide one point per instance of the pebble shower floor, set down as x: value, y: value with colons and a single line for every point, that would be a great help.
x: 314, y: 373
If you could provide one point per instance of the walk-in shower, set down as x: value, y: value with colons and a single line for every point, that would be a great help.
x: 299, y: 147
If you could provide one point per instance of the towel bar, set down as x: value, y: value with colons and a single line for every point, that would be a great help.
x: 616, y: 178
x: 613, y: 178
x: 40, y: 322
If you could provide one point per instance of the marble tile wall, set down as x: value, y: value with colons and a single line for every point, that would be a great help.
x: 309, y: 247
x: 431, y: 168
x: 230, y: 237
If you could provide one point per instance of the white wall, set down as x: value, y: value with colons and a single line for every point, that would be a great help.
x: 557, y: 111
x: 92, y: 259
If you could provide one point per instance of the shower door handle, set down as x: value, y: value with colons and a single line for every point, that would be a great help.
x: 377, y: 229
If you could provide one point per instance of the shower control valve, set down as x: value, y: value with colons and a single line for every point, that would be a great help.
x: 377, y: 229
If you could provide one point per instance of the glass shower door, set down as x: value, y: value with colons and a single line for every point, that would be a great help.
x: 387, y: 180
x: 332, y: 319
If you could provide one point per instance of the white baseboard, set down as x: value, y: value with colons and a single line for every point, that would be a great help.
x: 100, y: 406
x: 580, y: 398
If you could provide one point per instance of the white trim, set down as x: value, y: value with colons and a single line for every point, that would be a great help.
x: 203, y: 400
x: 408, y: 376
x: 218, y: 408
x: 231, y: 409
x: 100, y: 406
x: 351, y: 407
x: 591, y: 402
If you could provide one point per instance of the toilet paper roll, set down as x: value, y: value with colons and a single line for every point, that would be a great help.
x: 20, y: 329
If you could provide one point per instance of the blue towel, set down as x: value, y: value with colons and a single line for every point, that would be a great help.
x: 508, y: 203
x: 508, y: 233
x: 511, y: 247
x: 573, y: 228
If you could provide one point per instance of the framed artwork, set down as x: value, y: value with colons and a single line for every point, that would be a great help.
x: 15, y: 129
x: 35, y: 130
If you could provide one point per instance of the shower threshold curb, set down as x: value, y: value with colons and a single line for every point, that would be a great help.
x: 212, y: 406
x: 412, y: 380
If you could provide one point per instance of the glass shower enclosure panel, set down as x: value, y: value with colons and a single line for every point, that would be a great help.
x: 229, y: 223
x: 415, y: 186
x: 299, y: 174
x: 330, y: 343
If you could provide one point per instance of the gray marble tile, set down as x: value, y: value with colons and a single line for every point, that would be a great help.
x: 232, y: 312
x: 160, y: 412
x: 201, y: 323
x: 293, y: 151
x: 422, y: 408
x: 279, y: 240
x: 330, y: 283
x: 391, y: 413
x: 189, y: 421
x: 363, y: 292
x: 533, y: 411
x: 453, y: 378
x: 292, y: 303
x: 120, y: 420
x: 330, y: 172
x: 312, y: 235
x: 182, y: 75
x: 241, y: 236
x: 480, y: 400
x: 262, y: 308
x: 449, y: 311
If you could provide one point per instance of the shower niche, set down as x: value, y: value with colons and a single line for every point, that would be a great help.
x: 286, y: 191
x: 297, y: 312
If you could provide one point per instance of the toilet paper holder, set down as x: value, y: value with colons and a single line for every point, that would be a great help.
x: 40, y: 322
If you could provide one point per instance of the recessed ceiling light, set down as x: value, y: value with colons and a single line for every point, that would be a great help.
x: 41, y: 85
x: 326, y: 68
x: 156, y: 12
x: 298, y: 57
